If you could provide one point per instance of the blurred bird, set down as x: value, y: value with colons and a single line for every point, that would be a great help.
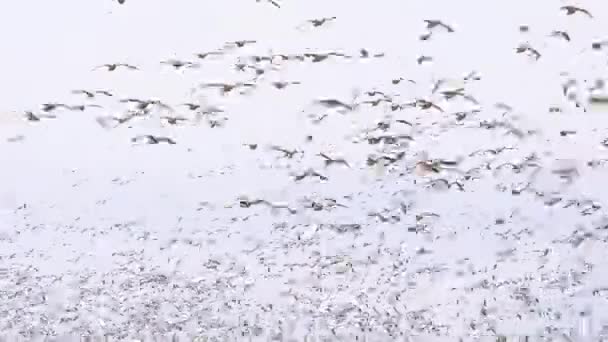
x: 430, y: 24
x: 570, y: 10
x: 151, y: 139
x: 274, y: 3
x: 114, y: 66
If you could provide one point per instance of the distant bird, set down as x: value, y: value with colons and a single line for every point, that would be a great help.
x: 334, y: 104
x: 121, y: 1
x: 430, y: 24
x: 177, y: 64
x: 473, y: 76
x: 274, y: 3
x: 104, y: 92
x: 173, y: 120
x: 283, y: 84
x: 424, y: 104
x: 376, y: 102
x: 30, y: 116
x: 103, y: 121
x: 426, y: 36
x: 526, y: 48
x: 319, y: 57
x: 49, y: 107
x: 83, y: 107
x: 440, y: 82
x: 570, y: 10
x: 424, y: 59
x: 320, y: 21
x: 309, y: 173
x: 225, y: 88
x: 151, y: 139
x: 114, y: 66
x: 398, y: 80
x: 246, y: 203
x: 146, y: 104
x: 204, y: 55
x: 599, y: 45
x: 386, y: 158
x: 597, y: 99
x: 389, y: 139
x: 503, y: 106
x: 329, y: 160
x: 405, y: 122
x: 251, y: 146
x: 376, y: 92
x: 448, y: 94
x: 560, y: 34
x: 87, y: 93
x: 524, y: 28
x: 240, y: 43
x: 446, y: 183
x: 363, y: 53
x: 286, y: 152
x: 191, y: 106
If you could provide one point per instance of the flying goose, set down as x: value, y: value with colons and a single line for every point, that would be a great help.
x: 430, y: 24
x: 570, y: 10
x: 114, y: 66
x: 151, y: 139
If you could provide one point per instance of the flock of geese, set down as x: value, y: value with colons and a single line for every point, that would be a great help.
x: 406, y: 120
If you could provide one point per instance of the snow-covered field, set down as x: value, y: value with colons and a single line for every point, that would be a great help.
x: 470, y: 201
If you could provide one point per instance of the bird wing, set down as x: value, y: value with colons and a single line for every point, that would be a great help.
x: 586, y: 12
x: 276, y: 4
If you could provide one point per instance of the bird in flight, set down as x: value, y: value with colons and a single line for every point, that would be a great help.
x: 173, y: 120
x: 146, y: 104
x: 526, y: 48
x: 334, y: 104
x: 283, y: 84
x: 309, y: 173
x: 319, y: 57
x: 30, y: 116
x: 431, y: 24
x: 177, y: 64
x: 319, y: 21
x: 240, y: 43
x: 398, y: 80
x: 424, y: 59
x: 49, y: 107
x: 560, y: 34
x: 153, y: 140
x: 329, y: 160
x: 83, y: 107
x: 191, y: 106
x: 424, y: 104
x: 114, y: 66
x: 286, y: 152
x: 227, y: 87
x: 273, y: 2
x: 204, y: 55
x: 91, y: 94
x: 363, y: 53
x: 570, y: 10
